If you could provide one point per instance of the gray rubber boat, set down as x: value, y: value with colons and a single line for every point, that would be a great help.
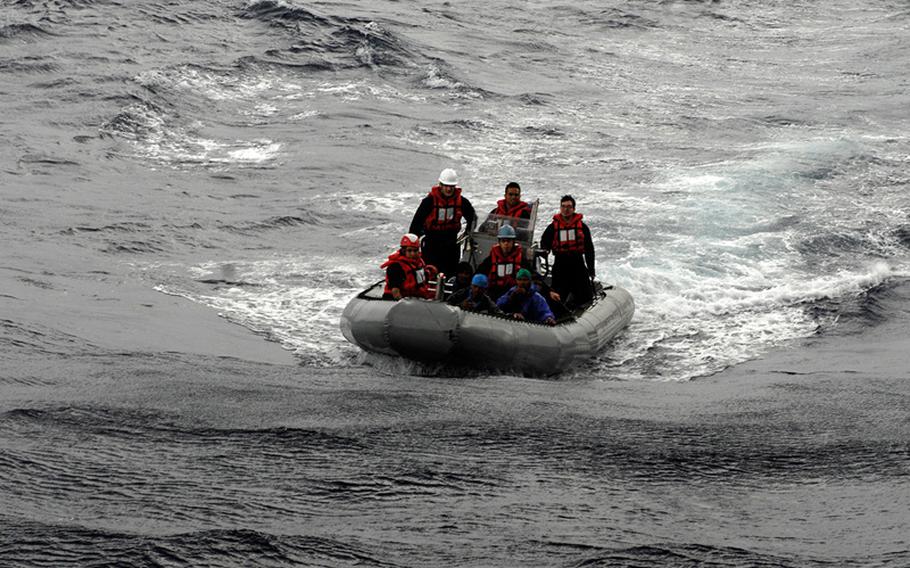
x: 432, y: 331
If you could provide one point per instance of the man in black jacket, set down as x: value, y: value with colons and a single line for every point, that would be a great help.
x: 573, y: 265
x: 438, y: 219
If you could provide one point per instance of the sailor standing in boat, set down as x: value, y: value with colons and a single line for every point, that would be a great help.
x: 511, y: 204
x: 438, y: 220
x: 573, y: 267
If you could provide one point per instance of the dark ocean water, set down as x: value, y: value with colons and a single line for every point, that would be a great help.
x: 743, y: 168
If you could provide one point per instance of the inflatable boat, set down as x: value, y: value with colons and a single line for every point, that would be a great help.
x: 432, y: 331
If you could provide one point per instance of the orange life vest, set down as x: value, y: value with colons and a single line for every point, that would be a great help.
x: 516, y: 211
x: 568, y: 236
x: 503, y: 268
x: 415, y: 276
x: 446, y: 212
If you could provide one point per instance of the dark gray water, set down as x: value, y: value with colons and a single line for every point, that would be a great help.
x: 174, y: 169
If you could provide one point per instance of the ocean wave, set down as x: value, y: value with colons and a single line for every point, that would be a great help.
x: 29, y: 64
x: 33, y: 338
x: 125, y: 227
x: 136, y: 247
x: 272, y: 10
x: 340, y: 42
x: 438, y: 76
x: 158, y: 136
x: 681, y: 555
x: 535, y: 99
x: 657, y: 452
x: 23, y: 31
x: 334, y: 42
x: 46, y: 160
x: 855, y: 314
x: 31, y: 543
x: 902, y: 234
x: 153, y: 425
x: 302, y: 219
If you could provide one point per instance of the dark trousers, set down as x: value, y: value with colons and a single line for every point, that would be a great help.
x: 442, y: 252
x: 571, y: 280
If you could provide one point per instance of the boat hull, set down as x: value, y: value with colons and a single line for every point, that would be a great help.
x: 432, y: 331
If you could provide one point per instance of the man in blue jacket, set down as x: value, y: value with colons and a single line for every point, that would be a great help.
x: 524, y: 302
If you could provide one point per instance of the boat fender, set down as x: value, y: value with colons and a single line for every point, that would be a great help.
x: 422, y: 330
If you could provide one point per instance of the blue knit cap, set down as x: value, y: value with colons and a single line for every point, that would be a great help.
x: 479, y: 280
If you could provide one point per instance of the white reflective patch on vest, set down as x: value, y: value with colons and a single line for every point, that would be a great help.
x: 504, y: 269
x: 445, y: 213
x: 419, y: 276
x: 566, y: 235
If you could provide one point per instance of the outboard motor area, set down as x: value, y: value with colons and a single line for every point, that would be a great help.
x: 478, y: 243
x: 421, y: 330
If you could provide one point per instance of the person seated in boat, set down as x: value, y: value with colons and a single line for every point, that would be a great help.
x: 474, y: 298
x: 573, y: 266
x: 438, y: 220
x: 462, y: 279
x: 511, y: 204
x: 506, y: 258
x: 406, y: 274
x: 524, y: 302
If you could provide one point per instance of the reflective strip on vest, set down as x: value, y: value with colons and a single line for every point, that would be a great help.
x: 504, y: 269
x: 420, y: 276
x: 445, y: 213
x: 566, y: 235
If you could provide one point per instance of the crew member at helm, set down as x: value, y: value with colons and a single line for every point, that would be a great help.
x: 511, y: 204
x: 438, y: 219
x: 573, y: 266
x: 406, y: 274
x: 506, y: 258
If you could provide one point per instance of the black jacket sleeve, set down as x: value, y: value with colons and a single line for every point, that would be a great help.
x: 489, y: 306
x: 484, y: 266
x: 589, y: 249
x: 459, y: 296
x: 423, y: 210
x: 546, y: 240
x: 467, y: 211
x: 396, y: 275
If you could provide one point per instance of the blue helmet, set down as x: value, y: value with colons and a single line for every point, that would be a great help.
x: 506, y: 232
x: 479, y: 280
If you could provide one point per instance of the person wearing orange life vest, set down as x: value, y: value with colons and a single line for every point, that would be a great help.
x: 438, y: 219
x: 407, y: 275
x: 511, y: 204
x: 573, y: 267
x: 506, y: 258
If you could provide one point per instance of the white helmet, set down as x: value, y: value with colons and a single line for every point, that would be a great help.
x: 448, y: 177
x: 410, y: 240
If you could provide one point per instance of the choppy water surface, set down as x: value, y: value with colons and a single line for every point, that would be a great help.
x: 742, y: 166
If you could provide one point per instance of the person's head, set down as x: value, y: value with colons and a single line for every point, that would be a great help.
x: 567, y: 206
x: 479, y: 284
x: 463, y: 272
x: 506, y: 238
x: 448, y: 179
x: 513, y: 193
x: 523, y: 279
x: 410, y: 245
